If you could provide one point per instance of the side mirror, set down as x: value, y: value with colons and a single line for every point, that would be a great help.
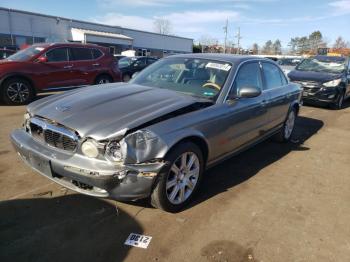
x: 42, y: 59
x: 249, y: 92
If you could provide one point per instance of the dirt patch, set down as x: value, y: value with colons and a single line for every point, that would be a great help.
x: 224, y: 250
x: 4, y: 152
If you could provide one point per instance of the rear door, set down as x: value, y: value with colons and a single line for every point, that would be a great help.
x: 82, y: 62
x: 277, y: 94
x: 56, y: 72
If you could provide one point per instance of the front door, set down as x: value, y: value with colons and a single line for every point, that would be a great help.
x: 57, y: 71
x: 246, y: 117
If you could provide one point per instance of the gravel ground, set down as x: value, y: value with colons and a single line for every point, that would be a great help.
x: 274, y: 202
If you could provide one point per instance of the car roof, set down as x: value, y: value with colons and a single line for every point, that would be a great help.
x: 235, y: 59
x: 68, y: 44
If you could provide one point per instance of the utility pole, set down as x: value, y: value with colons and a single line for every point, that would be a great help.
x: 225, y: 31
x: 238, y: 36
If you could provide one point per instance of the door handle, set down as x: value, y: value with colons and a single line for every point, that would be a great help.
x: 263, y: 103
x: 97, y: 64
x: 68, y: 66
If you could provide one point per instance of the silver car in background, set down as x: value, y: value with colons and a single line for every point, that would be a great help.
x: 155, y: 136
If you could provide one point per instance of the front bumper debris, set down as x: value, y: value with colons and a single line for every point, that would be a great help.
x: 85, y: 175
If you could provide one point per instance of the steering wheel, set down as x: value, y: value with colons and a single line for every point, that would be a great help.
x: 211, y: 85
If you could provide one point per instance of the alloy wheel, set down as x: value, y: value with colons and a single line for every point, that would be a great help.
x: 103, y: 81
x: 289, y: 125
x: 18, y: 92
x: 182, y: 178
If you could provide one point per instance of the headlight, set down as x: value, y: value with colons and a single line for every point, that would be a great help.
x: 113, y: 151
x: 26, y: 121
x: 89, y: 148
x: 332, y: 83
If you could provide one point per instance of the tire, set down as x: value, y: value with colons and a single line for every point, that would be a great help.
x: 103, y: 79
x: 17, y: 91
x: 286, y: 132
x: 126, y: 77
x: 339, y: 103
x: 182, y: 186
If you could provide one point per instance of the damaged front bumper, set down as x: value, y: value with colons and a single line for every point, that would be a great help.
x: 85, y: 175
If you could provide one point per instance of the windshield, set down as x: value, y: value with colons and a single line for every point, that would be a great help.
x: 26, y: 54
x: 197, y: 77
x: 316, y: 65
x: 125, y: 61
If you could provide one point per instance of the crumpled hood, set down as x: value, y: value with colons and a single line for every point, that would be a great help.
x: 320, y: 77
x: 101, y: 111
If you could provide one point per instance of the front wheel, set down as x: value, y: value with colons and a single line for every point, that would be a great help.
x: 17, y: 91
x: 179, y: 180
x: 126, y: 78
x: 285, y: 134
x: 339, y: 103
x: 103, y: 79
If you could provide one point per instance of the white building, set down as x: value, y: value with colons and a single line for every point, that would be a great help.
x: 18, y: 28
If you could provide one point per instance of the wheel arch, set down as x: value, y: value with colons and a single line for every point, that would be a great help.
x: 18, y: 75
x: 103, y: 74
x: 295, y: 105
x: 196, y: 139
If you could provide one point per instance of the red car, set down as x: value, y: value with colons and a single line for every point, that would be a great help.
x: 47, y: 67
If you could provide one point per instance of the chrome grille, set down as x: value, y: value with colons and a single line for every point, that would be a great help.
x: 53, y: 135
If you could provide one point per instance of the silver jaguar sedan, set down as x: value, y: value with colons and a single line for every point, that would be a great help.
x: 154, y: 136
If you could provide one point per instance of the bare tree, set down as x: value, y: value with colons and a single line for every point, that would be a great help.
x: 255, y: 49
x: 340, y: 43
x: 162, y: 26
x: 207, y: 40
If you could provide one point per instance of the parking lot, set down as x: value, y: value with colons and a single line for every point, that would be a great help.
x: 274, y: 202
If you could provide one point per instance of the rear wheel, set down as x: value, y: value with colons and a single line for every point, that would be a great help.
x: 103, y: 79
x: 339, y: 103
x: 17, y: 91
x: 178, y: 181
x: 286, y: 132
x: 126, y: 78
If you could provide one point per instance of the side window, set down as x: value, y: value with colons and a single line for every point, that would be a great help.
x: 248, y: 75
x: 272, y: 76
x: 140, y: 62
x: 283, y: 77
x: 96, y: 53
x: 57, y: 55
x: 79, y: 54
x: 151, y: 60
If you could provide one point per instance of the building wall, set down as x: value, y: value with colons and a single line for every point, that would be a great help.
x: 37, y: 27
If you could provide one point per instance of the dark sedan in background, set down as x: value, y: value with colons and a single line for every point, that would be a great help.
x: 5, y: 53
x: 325, y: 79
x: 130, y: 65
x: 155, y: 136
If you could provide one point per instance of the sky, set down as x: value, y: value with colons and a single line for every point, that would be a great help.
x: 258, y: 20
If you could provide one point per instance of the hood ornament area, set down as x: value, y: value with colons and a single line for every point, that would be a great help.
x: 63, y: 108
